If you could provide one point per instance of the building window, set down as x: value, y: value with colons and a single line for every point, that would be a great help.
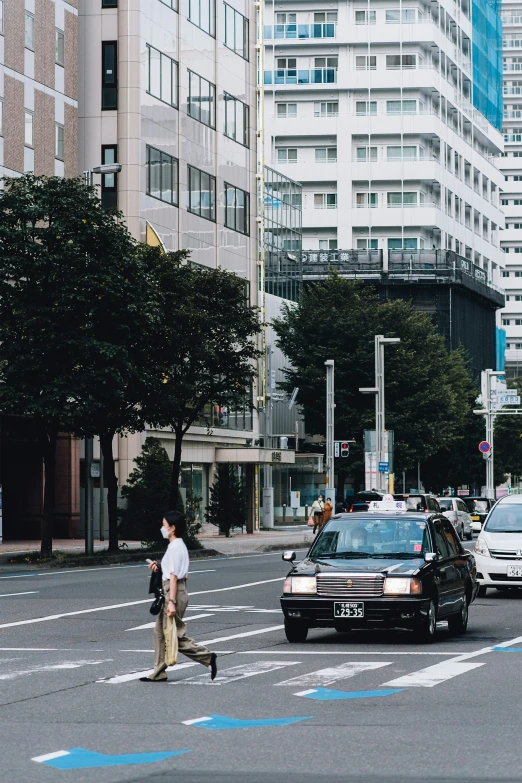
x: 59, y: 151
x: 287, y: 155
x: 163, y: 77
x: 406, y: 61
x: 171, y: 4
x: 202, y: 13
x: 162, y: 176
x: 202, y: 100
x: 109, y: 3
x: 365, y: 17
x: 367, y: 244
x: 109, y: 75
x: 328, y: 244
x: 506, y: 322
x: 402, y: 199
x: 285, y: 109
x: 29, y: 31
x: 109, y: 182
x: 202, y: 193
x: 1, y: 116
x: 236, y: 31
x: 366, y: 199
x: 401, y: 107
x: 326, y: 109
x: 325, y: 200
x: 365, y: 108
x: 366, y: 62
x: 365, y: 153
x: 326, y: 155
x: 408, y: 243
x: 505, y: 274
x: 29, y: 129
x: 60, y: 48
x: 237, y: 119
x: 406, y: 16
x: 401, y: 153
x: 236, y: 209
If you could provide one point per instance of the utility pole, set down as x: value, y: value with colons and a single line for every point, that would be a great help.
x: 489, y: 413
x: 330, y: 411
x: 89, y: 504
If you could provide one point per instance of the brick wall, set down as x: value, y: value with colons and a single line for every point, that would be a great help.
x: 44, y: 133
x: 71, y: 141
x: 71, y: 55
x: 14, y: 34
x: 45, y: 42
x: 13, y: 124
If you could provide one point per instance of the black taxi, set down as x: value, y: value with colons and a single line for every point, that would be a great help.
x: 388, y: 567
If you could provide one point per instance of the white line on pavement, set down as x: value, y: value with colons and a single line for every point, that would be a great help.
x: 144, y: 673
x: 87, y: 570
x: 340, y: 652
x: 48, y: 756
x: 28, y: 592
x: 432, y: 675
x: 39, y: 649
x: 324, y: 677
x: 51, y: 667
x: 243, y: 635
x: 238, y: 673
x: 129, y: 603
x: 151, y: 625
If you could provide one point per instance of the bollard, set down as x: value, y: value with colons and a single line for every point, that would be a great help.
x: 284, y: 513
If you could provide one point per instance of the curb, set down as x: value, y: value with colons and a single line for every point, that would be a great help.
x: 70, y: 561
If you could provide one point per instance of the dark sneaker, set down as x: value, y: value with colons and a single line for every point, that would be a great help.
x: 213, y: 666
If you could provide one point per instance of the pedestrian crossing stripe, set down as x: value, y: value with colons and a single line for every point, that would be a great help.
x: 237, y: 673
x: 432, y: 675
x: 333, y: 674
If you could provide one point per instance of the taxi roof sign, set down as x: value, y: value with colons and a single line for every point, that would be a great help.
x: 388, y: 504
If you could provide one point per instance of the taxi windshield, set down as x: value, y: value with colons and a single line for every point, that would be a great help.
x: 505, y: 519
x: 379, y: 536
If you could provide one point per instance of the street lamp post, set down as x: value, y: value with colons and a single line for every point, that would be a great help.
x: 378, y: 391
x: 105, y: 168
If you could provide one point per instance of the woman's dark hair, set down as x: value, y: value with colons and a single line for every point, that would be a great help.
x: 177, y: 519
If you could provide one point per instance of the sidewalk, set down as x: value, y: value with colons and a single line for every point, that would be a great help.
x: 238, y: 543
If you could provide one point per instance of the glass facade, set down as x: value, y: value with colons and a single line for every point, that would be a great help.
x: 487, y: 60
x: 282, y: 235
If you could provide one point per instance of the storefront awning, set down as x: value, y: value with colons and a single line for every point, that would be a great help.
x: 256, y: 455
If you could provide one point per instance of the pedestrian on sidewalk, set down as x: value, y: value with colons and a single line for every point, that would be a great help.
x: 317, y: 511
x: 328, y: 510
x: 174, y: 568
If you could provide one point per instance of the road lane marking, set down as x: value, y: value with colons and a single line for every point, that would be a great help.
x: 217, y: 722
x: 48, y: 756
x: 242, y: 635
x: 432, y: 675
x: 238, y: 673
x: 88, y: 570
x: 51, y: 667
x: 28, y: 592
x: 331, y: 674
x: 130, y: 603
x: 142, y: 673
x: 341, y: 652
x: 151, y: 625
x: 326, y: 694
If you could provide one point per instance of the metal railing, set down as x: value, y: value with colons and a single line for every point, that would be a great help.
x: 301, y: 31
x: 304, y: 76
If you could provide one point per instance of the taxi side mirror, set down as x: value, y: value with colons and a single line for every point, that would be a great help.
x: 289, y: 556
x: 430, y: 557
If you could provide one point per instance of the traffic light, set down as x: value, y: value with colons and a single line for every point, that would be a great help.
x: 345, y: 449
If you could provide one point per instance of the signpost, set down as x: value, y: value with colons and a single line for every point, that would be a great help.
x: 484, y: 447
x: 383, y: 467
x: 508, y: 399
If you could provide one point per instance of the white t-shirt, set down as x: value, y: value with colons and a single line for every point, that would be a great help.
x: 175, y: 560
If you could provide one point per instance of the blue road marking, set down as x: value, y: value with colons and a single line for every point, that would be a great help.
x: 224, y: 722
x: 507, y: 649
x: 327, y: 694
x: 81, y: 758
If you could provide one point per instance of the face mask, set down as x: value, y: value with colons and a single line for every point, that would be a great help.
x: 164, y: 532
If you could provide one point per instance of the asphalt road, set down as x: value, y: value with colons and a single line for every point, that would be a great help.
x: 71, y: 646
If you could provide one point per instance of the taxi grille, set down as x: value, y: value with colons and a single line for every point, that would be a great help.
x: 362, y: 585
x: 505, y: 554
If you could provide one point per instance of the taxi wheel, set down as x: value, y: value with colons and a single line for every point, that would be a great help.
x: 426, y: 626
x: 482, y: 591
x: 457, y: 623
x: 295, y: 631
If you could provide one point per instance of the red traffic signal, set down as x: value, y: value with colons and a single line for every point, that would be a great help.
x: 345, y: 449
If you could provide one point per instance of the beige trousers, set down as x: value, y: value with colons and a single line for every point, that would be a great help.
x: 186, y: 645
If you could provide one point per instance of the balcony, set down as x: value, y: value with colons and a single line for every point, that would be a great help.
x: 300, y: 32
x: 299, y: 76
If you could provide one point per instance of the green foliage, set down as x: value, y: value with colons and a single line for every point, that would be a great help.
x: 427, y: 391
x: 227, y: 506
x: 193, y: 526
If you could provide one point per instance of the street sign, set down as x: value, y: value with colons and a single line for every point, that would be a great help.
x: 383, y: 467
x: 508, y: 399
x: 484, y: 447
x: 337, y: 448
x: 510, y: 391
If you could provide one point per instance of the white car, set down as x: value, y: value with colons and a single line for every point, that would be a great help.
x: 457, y: 512
x: 498, y: 549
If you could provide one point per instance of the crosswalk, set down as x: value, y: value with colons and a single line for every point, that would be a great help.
x: 210, y: 611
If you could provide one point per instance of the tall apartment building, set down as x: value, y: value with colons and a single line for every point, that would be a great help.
x: 168, y: 90
x: 511, y: 165
x: 390, y: 115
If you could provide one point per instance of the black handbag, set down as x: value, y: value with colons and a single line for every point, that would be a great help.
x: 156, y: 587
x: 157, y: 604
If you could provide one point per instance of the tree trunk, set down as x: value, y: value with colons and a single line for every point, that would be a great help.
x: 48, y: 438
x: 111, y: 482
x: 176, y: 468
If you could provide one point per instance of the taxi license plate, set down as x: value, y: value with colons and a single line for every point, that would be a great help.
x: 348, y: 609
x: 475, y: 519
x: 514, y: 571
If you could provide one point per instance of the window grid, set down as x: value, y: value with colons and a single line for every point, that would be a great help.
x: 163, y: 77
x: 202, y: 100
x: 59, y: 148
x: 109, y: 3
x: 109, y: 182
x: 109, y: 75
x: 29, y: 129
x: 170, y: 4
x: 236, y: 31
x: 29, y: 31
x: 236, y: 209
x: 237, y: 119
x: 162, y: 176
x: 60, y: 48
x: 202, y: 13
x: 201, y: 193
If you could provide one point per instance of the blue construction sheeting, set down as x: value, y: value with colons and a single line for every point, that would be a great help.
x: 487, y: 60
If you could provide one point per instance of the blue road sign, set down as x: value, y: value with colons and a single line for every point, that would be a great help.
x: 224, y: 722
x: 81, y: 758
x: 383, y: 467
x: 484, y: 447
x: 327, y: 694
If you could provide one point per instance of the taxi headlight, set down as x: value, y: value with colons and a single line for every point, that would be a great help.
x: 300, y: 584
x: 395, y: 585
x: 481, y: 548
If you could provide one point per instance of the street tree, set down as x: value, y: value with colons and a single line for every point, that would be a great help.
x: 425, y: 387
x: 227, y: 506
x: 204, y: 348
x: 71, y: 294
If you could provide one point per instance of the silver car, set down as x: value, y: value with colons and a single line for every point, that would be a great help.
x: 457, y: 512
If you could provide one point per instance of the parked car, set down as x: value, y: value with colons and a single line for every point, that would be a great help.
x: 478, y: 508
x: 383, y: 568
x: 498, y: 549
x: 457, y: 512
